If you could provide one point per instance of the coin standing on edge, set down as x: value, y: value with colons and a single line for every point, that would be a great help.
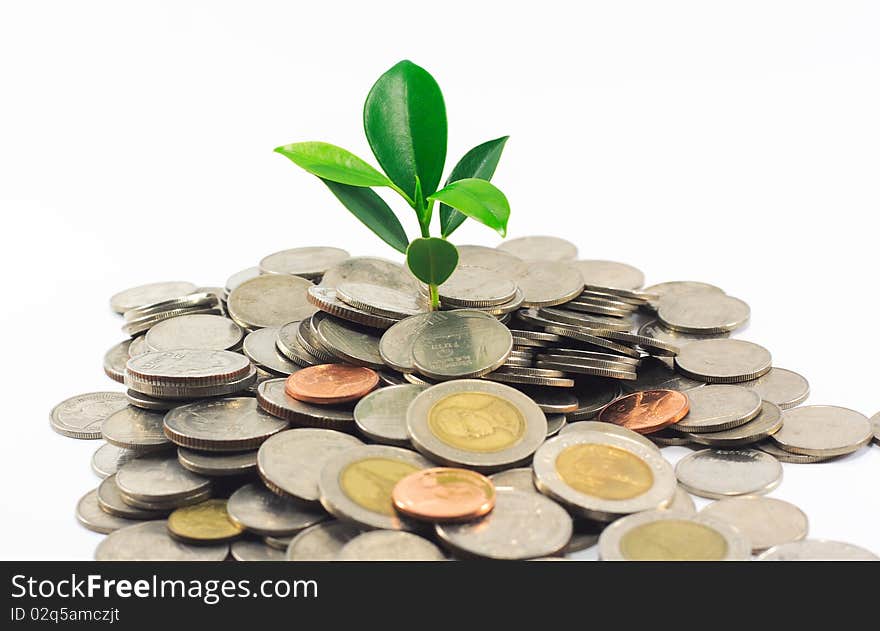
x: 718, y: 473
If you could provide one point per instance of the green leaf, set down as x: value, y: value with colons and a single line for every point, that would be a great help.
x: 479, y: 162
x: 333, y: 163
x: 479, y: 200
x: 405, y: 124
x: 431, y: 260
x: 373, y: 212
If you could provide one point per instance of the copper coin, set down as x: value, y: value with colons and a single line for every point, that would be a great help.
x: 647, y: 411
x: 331, y: 383
x: 444, y: 494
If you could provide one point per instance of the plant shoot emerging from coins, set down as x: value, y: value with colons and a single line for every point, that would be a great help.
x: 405, y: 125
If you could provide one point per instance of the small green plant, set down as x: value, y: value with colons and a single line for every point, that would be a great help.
x: 405, y: 125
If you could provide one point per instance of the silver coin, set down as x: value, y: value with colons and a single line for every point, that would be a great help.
x: 211, y: 332
x: 259, y: 346
x: 704, y: 312
x: 682, y: 502
x: 602, y: 476
x: 217, y: 464
x: 764, y: 521
x: 588, y: 367
x: 134, y: 428
x: 355, y: 484
x: 540, y: 248
x: 471, y: 286
x: 348, y: 342
x: 167, y: 505
x: 111, y: 502
x: 155, y: 312
x: 513, y: 360
x: 670, y: 438
x: 681, y: 287
x: 548, y: 283
x: 147, y: 294
x: 782, y: 455
x: 783, y: 387
x: 136, y: 326
x: 585, y: 535
x: 723, y: 361
x: 593, y: 395
x: 108, y: 458
x: 648, y: 344
x: 502, y: 311
x: 366, y: 269
x: 530, y: 376
x: 654, y: 374
x: 565, y: 317
x: 262, y: 512
x: 551, y: 400
x: 396, y: 343
x: 522, y: 525
x: 325, y: 299
x: 380, y: 300
x: 768, y: 422
x: 608, y: 428
x: 278, y: 543
x: 233, y: 424
x: 245, y: 550
x: 239, y: 277
x: 586, y: 336
x: 596, y: 307
x: 717, y: 473
x: 491, y: 258
x: 657, y: 331
x: 555, y: 423
x: 270, y: 300
x: 307, y: 338
x: 518, y: 479
x: 464, y: 344
x: 191, y: 368
x: 875, y: 424
x: 150, y: 541
x: 610, y: 274
x: 82, y: 416
x: 718, y: 407
x: 666, y: 535
x: 290, y: 463
x: 271, y: 396
x: 138, y: 347
x: 381, y: 415
x: 158, y: 478
x: 823, y: 430
x: 90, y: 515
x: 289, y: 344
x: 321, y: 542
x: 182, y: 392
x: 115, y: 360
x: 557, y: 353
x: 818, y: 550
x: 477, y: 424
x: 390, y: 545
x: 309, y: 262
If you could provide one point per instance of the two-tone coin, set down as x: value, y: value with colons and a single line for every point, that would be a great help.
x: 717, y: 473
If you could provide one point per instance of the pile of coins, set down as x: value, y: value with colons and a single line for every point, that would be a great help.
x: 315, y: 408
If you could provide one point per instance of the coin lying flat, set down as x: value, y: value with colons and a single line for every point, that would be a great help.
x: 657, y: 331
x: 331, y: 383
x: 671, y: 536
x: 647, y: 411
x: 273, y: 398
x: 355, y: 485
x: 610, y: 274
x: 764, y: 521
x: 186, y: 367
x: 551, y: 400
x: 818, y: 550
x: 290, y: 462
x: 768, y: 422
x: 540, y: 248
x: 476, y: 424
x: 115, y: 360
x: 655, y: 374
x: 201, y: 330
x: 875, y: 425
x: 490, y: 258
x: 82, y: 416
x: 322, y: 542
x: 783, y: 387
x: 134, y: 428
x: 366, y: 269
x: 471, y: 286
x: 723, y: 361
x: 260, y: 511
x: 719, y: 407
x: 593, y: 395
x: 782, y: 455
x: 246, y: 550
x: 325, y: 299
x: 381, y: 415
x: 146, y: 294
x: 383, y: 301
x: 261, y: 349
x: 205, y: 522
x: 522, y: 525
x: 602, y: 476
x: 233, y: 424
x: 270, y: 300
x: 309, y: 262
x: 681, y: 287
x: 702, y: 312
x: 108, y: 458
x: 390, y: 545
x: 111, y: 502
x: 548, y: 283
x: 396, y: 343
x: 717, y: 473
x: 607, y: 428
x: 823, y: 430
x: 218, y: 464
x: 90, y: 514
x: 465, y: 344
x: 348, y: 342
x: 518, y: 479
x: 155, y: 478
x: 150, y: 541
x: 444, y: 494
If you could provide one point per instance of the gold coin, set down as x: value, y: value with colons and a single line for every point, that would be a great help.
x: 604, y: 471
x: 206, y: 521
x: 673, y: 540
x: 477, y: 421
x: 369, y: 482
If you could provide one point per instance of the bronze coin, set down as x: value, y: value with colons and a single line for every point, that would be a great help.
x: 331, y: 383
x: 444, y: 494
x: 647, y: 411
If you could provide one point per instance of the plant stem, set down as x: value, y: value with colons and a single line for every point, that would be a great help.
x: 435, y: 297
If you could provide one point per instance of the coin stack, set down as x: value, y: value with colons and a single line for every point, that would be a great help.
x: 315, y: 408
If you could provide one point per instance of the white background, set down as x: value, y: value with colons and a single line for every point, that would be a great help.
x: 732, y: 142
